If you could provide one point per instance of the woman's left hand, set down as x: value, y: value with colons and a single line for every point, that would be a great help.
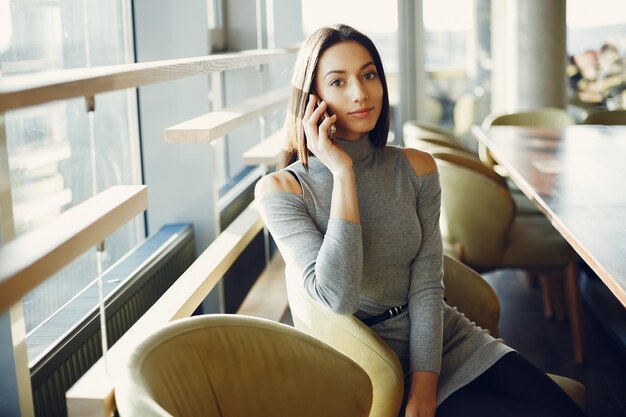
x: 417, y: 408
x: 422, y: 400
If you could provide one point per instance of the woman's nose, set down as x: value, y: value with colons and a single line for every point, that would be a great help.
x: 358, y: 92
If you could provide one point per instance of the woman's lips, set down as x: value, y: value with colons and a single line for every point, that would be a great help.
x: 361, y: 113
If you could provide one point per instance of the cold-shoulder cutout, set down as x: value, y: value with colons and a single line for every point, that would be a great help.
x: 281, y: 181
x: 421, y: 162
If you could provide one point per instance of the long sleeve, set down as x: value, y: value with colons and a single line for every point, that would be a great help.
x: 331, y: 264
x: 426, y: 285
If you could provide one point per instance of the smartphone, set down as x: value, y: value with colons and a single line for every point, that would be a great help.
x: 332, y: 129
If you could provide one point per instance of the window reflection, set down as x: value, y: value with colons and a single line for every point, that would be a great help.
x: 49, y: 146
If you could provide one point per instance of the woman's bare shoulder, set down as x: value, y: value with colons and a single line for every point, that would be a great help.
x: 281, y: 181
x: 421, y: 162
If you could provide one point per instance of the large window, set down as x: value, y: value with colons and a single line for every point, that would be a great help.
x: 59, y: 153
x: 596, y: 45
x: 450, y: 55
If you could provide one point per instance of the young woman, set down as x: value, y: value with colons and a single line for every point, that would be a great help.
x: 359, y: 222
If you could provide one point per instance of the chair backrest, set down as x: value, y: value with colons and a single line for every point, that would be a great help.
x: 547, y: 117
x: 231, y: 366
x: 470, y: 163
x: 431, y: 145
x: 353, y: 338
x: 476, y: 217
x: 413, y: 128
x: 606, y: 117
x: 471, y: 294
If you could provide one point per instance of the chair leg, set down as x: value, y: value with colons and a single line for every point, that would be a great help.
x: 547, y: 292
x: 559, y: 297
x: 575, y: 309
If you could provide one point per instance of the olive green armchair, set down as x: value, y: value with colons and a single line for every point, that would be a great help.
x: 523, y: 206
x: 350, y: 336
x: 417, y: 129
x: 480, y: 228
x: 425, y: 136
x: 234, y: 366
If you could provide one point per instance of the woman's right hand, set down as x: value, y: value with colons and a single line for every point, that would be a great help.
x: 318, y: 140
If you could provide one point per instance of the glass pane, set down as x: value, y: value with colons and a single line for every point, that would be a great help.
x: 448, y: 48
x: 596, y: 46
x: 50, y: 146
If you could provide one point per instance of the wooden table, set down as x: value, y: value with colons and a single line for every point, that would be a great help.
x: 577, y: 177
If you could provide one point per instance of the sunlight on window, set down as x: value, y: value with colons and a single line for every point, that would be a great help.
x: 5, y: 25
x: 370, y: 16
x: 437, y: 16
x: 603, y: 13
x: 588, y: 28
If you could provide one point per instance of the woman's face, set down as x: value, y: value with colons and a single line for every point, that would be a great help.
x: 347, y: 80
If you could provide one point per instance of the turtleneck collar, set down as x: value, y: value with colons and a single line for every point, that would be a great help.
x: 357, y: 149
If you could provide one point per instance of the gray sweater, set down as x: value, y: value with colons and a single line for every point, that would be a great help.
x: 394, y: 257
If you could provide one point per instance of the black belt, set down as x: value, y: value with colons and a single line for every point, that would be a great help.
x: 392, y: 312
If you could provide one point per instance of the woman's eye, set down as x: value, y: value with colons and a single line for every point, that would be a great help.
x: 336, y: 83
x: 370, y: 75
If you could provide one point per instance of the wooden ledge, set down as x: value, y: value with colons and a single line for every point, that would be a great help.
x: 213, y: 125
x: 19, y: 91
x: 30, y: 259
x: 267, y: 152
x: 93, y: 393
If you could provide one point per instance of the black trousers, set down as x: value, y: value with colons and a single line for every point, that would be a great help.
x: 512, y: 387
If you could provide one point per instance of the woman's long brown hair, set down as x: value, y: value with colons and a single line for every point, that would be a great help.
x: 303, y: 84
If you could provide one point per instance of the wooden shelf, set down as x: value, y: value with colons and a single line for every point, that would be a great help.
x: 267, y: 152
x: 28, y: 90
x: 30, y: 259
x: 93, y: 393
x: 213, y: 125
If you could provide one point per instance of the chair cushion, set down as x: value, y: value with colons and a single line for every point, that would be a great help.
x: 534, y: 243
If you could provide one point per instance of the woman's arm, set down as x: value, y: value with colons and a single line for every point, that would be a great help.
x: 331, y: 264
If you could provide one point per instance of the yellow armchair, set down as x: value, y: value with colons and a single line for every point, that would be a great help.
x: 350, y: 336
x: 233, y: 366
x: 479, y: 228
